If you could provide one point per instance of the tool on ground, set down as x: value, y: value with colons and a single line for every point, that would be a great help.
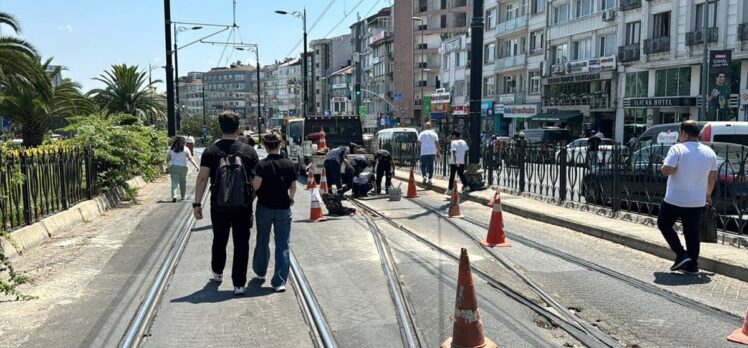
x: 315, y: 213
x: 395, y: 193
x: 740, y: 335
x: 310, y: 184
x: 411, y: 186
x: 322, y: 143
x: 454, y: 202
x: 496, y: 236
x: 467, y: 331
x: 323, y: 181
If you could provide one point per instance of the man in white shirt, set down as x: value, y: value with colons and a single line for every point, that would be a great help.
x: 429, y: 150
x: 692, y: 171
x: 457, y: 148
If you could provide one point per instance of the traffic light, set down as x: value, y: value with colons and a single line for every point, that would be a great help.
x: 357, y: 89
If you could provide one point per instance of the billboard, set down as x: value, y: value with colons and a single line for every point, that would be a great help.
x: 718, y: 93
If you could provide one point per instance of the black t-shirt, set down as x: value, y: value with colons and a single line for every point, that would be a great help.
x: 278, y: 174
x: 593, y: 143
x: 211, y: 156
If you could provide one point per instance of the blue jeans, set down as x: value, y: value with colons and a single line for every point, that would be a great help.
x: 280, y: 221
x: 427, y: 165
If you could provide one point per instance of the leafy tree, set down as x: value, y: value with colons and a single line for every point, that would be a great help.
x: 17, y: 60
x: 127, y: 90
x: 193, y: 125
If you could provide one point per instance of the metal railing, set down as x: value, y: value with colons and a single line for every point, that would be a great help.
x: 616, y: 177
x: 38, y: 184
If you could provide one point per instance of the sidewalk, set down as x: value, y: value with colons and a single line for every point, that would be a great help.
x: 722, y: 259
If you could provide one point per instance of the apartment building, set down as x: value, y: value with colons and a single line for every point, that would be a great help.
x: 373, y: 40
x: 421, y: 26
x: 328, y: 56
x: 191, y: 94
x: 232, y: 88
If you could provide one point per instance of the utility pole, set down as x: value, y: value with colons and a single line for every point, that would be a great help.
x: 705, y: 64
x: 170, y: 117
x: 305, y: 67
x: 176, y: 79
x: 259, y: 115
x: 476, y: 71
x: 357, y: 65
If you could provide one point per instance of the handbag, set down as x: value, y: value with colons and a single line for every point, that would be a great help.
x: 708, y: 225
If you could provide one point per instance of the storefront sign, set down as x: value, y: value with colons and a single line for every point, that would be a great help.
x: 439, y: 107
x: 668, y: 137
x: 744, y: 97
x: 453, y: 45
x: 498, y: 108
x: 339, y: 99
x: 440, y: 98
x: 573, y: 78
x: 519, y: 111
x: 579, y: 66
x: 659, y: 102
x: 339, y: 85
x: 506, y: 98
x: 603, y: 63
x: 486, y: 108
x: 461, y: 109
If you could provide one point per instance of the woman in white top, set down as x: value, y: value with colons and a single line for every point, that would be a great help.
x: 177, y: 158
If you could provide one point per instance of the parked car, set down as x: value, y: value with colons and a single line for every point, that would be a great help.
x: 401, y: 142
x: 639, y: 181
x: 576, y: 151
x: 722, y: 132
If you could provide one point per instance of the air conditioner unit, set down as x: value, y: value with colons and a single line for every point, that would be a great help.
x: 609, y: 15
x: 698, y: 36
x: 654, y: 46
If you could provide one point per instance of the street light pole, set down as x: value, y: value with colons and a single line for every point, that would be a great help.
x: 176, y: 70
x: 170, y: 120
x: 256, y: 48
x: 302, y: 16
x: 705, y: 63
x: 476, y: 71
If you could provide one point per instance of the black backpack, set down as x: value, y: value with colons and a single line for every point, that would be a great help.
x: 231, y: 189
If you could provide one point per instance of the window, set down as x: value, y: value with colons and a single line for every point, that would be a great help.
x: 460, y: 88
x: 582, y: 49
x: 561, y: 13
x: 460, y: 58
x: 661, y: 25
x: 583, y: 8
x: 489, y: 86
x: 607, y: 4
x: 511, y: 12
x: 700, y: 15
x: 489, y: 53
x: 673, y: 82
x: 534, y: 78
x: 560, y: 54
x: 491, y: 18
x: 636, y: 84
x: 538, y: 6
x: 633, y: 32
x: 536, y: 41
x: 446, y: 61
x: 607, y: 45
x: 510, y: 85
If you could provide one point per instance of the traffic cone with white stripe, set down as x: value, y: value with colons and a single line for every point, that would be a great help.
x: 322, y: 144
x: 496, y: 236
x: 740, y: 335
x: 310, y: 184
x: 411, y: 186
x: 316, y: 214
x: 323, y: 182
x: 454, y: 203
x: 467, y: 330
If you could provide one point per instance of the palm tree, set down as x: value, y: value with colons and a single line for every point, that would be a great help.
x: 34, y: 107
x: 18, y: 60
x: 127, y: 90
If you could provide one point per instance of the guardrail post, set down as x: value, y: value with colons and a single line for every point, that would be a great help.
x: 562, y: 175
x: 521, y: 164
x: 26, y: 189
x: 90, y: 173
x: 488, y: 160
x: 63, y: 178
x: 616, y: 168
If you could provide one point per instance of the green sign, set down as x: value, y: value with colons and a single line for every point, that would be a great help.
x: 362, y: 111
x: 426, y: 108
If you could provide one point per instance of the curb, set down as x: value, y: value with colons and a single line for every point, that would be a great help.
x: 29, y: 237
x: 717, y: 265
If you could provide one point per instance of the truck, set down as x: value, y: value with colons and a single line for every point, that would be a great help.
x: 292, y: 129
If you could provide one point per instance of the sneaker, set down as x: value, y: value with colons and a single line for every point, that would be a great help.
x: 424, y: 180
x: 465, y: 189
x: 239, y: 290
x: 691, y: 269
x: 260, y: 278
x: 281, y: 288
x: 449, y: 192
x: 429, y: 181
x: 174, y: 200
x: 680, y: 262
x: 216, y: 278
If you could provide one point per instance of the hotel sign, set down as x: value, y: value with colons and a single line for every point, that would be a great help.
x: 660, y: 102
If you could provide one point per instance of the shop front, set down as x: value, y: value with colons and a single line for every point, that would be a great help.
x: 488, y: 123
x: 515, y: 116
x: 641, y: 113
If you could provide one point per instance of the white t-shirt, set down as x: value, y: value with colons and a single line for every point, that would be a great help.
x: 189, y: 140
x: 692, y: 161
x: 461, y: 147
x: 179, y: 158
x: 428, y: 139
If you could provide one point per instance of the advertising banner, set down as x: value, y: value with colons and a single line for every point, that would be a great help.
x: 718, y: 96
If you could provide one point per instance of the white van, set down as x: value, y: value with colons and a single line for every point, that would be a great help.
x: 401, y: 136
x: 725, y: 132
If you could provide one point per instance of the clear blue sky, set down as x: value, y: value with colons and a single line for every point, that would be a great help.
x: 87, y: 36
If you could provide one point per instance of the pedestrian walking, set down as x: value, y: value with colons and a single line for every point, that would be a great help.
x: 691, y: 169
x: 457, y: 148
x: 384, y: 167
x: 593, y: 146
x: 275, y: 184
x: 228, y: 165
x: 429, y: 150
x: 190, y: 142
x: 176, y: 159
x: 333, y: 162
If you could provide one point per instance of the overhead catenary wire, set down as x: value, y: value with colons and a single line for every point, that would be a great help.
x: 344, y: 18
x: 316, y: 21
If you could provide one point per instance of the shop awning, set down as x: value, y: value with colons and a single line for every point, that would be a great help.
x: 555, y: 116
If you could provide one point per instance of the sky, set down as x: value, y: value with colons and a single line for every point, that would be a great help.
x: 88, y: 36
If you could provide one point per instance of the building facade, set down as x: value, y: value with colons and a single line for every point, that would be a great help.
x: 341, y: 89
x: 233, y: 89
x: 328, y: 56
x: 191, y: 94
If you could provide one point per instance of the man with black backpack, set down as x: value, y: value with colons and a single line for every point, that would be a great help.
x: 229, y: 165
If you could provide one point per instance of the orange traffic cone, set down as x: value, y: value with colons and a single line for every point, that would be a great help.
x: 316, y: 214
x: 467, y: 331
x: 740, y: 335
x: 454, y: 203
x: 322, y: 144
x: 411, y: 186
x: 323, y: 182
x: 496, y: 236
x: 495, y: 195
x: 310, y: 184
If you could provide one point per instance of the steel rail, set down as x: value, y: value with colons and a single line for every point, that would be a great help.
x: 556, y: 319
x: 310, y: 301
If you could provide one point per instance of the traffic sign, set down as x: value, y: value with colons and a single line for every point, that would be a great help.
x: 398, y: 96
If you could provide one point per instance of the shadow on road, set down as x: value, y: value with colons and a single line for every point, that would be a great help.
x: 208, y: 294
x: 203, y: 228
x: 678, y: 279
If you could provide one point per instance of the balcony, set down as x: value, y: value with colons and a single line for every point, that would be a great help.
x: 743, y: 32
x: 511, y: 25
x: 697, y: 37
x: 511, y: 62
x: 657, y: 45
x: 628, y: 53
x: 630, y: 4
